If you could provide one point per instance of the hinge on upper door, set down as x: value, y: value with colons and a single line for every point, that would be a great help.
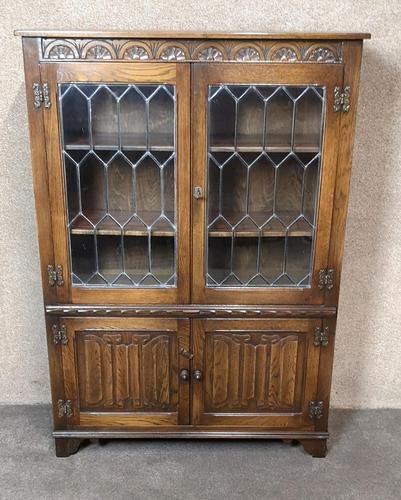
x: 321, y: 336
x: 64, y: 408
x: 55, y: 275
x: 326, y: 279
x: 342, y: 99
x: 315, y: 410
x: 41, y: 95
x: 60, y: 334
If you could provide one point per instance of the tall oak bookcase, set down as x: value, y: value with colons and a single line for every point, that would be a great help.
x: 191, y: 194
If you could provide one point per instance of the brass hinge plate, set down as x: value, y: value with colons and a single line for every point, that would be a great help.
x: 326, y: 279
x: 315, y: 410
x: 60, y: 334
x: 321, y: 336
x: 65, y: 408
x: 342, y: 99
x: 55, y: 275
x: 41, y: 95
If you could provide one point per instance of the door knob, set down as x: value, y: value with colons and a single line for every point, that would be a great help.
x: 184, y: 375
x: 197, y: 375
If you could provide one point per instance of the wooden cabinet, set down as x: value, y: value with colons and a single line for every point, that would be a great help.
x: 191, y: 195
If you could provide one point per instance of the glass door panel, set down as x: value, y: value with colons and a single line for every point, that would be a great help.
x: 260, y: 152
x: 264, y: 152
x: 118, y: 146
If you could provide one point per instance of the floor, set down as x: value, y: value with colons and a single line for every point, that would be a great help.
x: 364, y: 462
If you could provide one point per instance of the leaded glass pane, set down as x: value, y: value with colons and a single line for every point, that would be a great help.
x: 118, y: 146
x: 264, y: 154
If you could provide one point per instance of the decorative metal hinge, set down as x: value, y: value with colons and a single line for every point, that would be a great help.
x: 41, y: 95
x: 55, y: 275
x: 315, y: 410
x: 60, y: 334
x: 326, y: 277
x: 342, y: 99
x: 321, y: 336
x: 65, y: 408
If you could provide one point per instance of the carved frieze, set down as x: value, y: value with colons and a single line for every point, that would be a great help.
x: 192, y: 50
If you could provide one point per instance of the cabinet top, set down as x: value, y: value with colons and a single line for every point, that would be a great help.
x: 191, y: 35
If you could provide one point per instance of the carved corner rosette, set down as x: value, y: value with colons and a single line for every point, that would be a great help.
x: 255, y: 51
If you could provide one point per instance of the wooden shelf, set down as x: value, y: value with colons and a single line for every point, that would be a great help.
x: 263, y: 234
x: 220, y: 230
x: 109, y: 228
x: 304, y: 148
x: 87, y: 147
x: 128, y: 142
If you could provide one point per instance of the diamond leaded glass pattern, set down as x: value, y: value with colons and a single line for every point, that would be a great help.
x: 264, y: 154
x: 118, y: 147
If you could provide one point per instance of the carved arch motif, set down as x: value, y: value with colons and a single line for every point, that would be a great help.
x: 99, y: 50
x: 173, y: 52
x: 135, y: 51
x: 248, y: 53
x: 321, y: 54
x: 61, y: 50
x: 284, y: 53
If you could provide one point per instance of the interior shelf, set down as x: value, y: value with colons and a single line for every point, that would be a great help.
x: 303, y: 148
x: 108, y: 226
x: 128, y: 142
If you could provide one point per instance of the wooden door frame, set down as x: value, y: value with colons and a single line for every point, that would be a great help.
x: 203, y: 74
x: 300, y: 421
x: 104, y: 72
x: 124, y: 419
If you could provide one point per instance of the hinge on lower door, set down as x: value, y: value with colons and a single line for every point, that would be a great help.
x: 326, y: 279
x: 64, y: 408
x: 342, y: 99
x: 315, y: 410
x: 55, y: 275
x: 41, y: 95
x: 60, y: 334
x: 321, y: 336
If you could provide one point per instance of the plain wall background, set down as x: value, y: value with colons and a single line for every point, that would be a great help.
x: 367, y: 370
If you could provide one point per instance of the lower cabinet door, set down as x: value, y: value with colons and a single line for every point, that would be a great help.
x: 126, y: 372
x: 254, y: 372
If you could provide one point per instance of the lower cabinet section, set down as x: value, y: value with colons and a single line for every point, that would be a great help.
x: 125, y: 372
x: 254, y: 372
x: 163, y: 376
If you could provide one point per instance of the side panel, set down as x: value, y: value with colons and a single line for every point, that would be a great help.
x: 352, y: 59
x: 31, y: 47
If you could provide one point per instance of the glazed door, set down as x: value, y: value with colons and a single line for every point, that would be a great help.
x: 118, y: 163
x: 265, y: 143
x: 254, y: 372
x: 126, y: 372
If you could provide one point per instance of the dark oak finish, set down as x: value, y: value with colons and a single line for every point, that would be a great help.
x: 196, y: 311
x: 120, y: 372
x: 67, y: 446
x: 190, y: 361
x: 254, y: 372
x: 315, y: 447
